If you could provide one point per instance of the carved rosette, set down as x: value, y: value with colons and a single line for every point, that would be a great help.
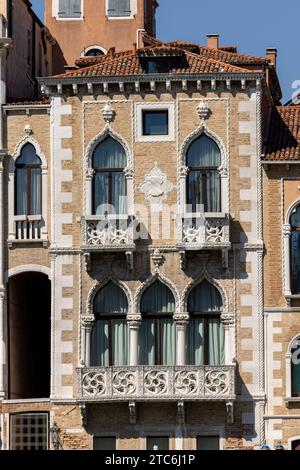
x: 216, y: 382
x: 186, y: 383
x: 124, y: 383
x: 156, y: 383
x: 94, y: 384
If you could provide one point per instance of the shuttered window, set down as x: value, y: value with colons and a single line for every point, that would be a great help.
x: 119, y: 8
x: 69, y: 9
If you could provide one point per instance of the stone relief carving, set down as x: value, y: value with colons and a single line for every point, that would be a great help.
x: 156, y: 187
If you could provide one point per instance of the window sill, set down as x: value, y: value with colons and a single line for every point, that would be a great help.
x: 25, y: 243
x: 130, y: 17
x: 289, y: 401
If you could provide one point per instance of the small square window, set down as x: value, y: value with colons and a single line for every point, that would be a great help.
x: 156, y: 122
x: 208, y: 443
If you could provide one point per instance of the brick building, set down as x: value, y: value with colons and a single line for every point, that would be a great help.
x: 144, y: 205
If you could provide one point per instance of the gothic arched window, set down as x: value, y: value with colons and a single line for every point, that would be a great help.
x: 109, y: 183
x: 295, y: 250
x: 109, y: 339
x: 295, y: 368
x: 28, y: 182
x: 206, y: 336
x: 157, y: 336
x: 203, y: 159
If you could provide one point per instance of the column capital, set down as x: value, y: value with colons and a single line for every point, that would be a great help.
x: 181, y: 319
x: 287, y: 230
x: 87, y: 321
x: 134, y: 321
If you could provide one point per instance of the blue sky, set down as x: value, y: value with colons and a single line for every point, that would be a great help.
x: 252, y: 26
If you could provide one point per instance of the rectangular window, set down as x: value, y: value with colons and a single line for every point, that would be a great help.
x: 29, y: 431
x: 105, y: 443
x: 155, y: 122
x: 119, y: 8
x: 158, y: 66
x: 208, y: 443
x: 69, y: 9
x: 158, y: 443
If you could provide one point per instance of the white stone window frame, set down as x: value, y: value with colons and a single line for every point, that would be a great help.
x: 203, y: 129
x: 11, y: 191
x: 291, y: 440
x: 89, y: 48
x: 55, y: 12
x: 288, y: 370
x: 286, y: 253
x: 89, y: 171
x: 161, y: 106
x: 133, y: 10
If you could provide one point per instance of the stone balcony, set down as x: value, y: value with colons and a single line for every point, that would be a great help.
x: 159, y: 383
x: 204, y: 231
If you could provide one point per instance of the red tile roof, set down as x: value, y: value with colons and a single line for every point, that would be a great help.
x: 283, y: 143
x: 130, y: 64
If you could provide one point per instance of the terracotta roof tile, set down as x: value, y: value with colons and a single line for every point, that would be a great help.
x: 283, y: 142
x: 130, y: 64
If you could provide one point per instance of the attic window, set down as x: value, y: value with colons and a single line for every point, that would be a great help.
x: 158, y: 65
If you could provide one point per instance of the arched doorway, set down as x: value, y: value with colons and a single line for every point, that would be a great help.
x: 29, y: 335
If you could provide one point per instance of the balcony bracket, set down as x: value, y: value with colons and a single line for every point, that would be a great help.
x: 181, y: 412
x: 87, y: 261
x: 230, y: 412
x: 225, y: 261
x: 83, y: 415
x: 129, y: 259
x: 182, y: 260
x: 132, y: 412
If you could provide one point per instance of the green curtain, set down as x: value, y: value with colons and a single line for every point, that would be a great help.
x: 146, y: 346
x: 205, y: 298
x: 203, y: 152
x: 216, y: 341
x: 158, y: 299
x: 195, y: 342
x: 110, y: 301
x: 168, y: 342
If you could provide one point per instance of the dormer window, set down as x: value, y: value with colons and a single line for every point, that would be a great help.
x: 158, y: 66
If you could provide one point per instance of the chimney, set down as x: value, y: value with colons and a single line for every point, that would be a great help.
x: 272, y: 55
x: 213, y: 41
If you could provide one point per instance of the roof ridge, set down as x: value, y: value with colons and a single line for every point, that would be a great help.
x: 210, y: 59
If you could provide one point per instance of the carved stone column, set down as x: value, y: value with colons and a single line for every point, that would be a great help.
x: 89, y: 191
x: 88, y: 322
x: 224, y: 188
x: 2, y: 287
x: 182, y: 321
x: 129, y: 183
x: 134, y: 323
x: 229, y: 325
x: 287, y: 262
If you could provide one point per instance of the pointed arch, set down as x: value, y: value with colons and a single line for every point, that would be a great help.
x: 147, y: 283
x: 98, y: 285
x: 18, y: 150
x: 200, y: 131
x: 107, y: 132
x: 291, y: 210
x: 204, y: 276
x: 293, y: 368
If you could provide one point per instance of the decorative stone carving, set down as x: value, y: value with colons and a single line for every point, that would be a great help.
x: 230, y: 412
x: 124, y: 383
x: 183, y: 171
x: 94, y: 383
x: 108, y: 113
x: 287, y: 230
x: 181, y: 412
x: 157, y: 258
x: 156, y: 186
x: 214, y: 231
x: 156, y: 383
x: 203, y: 110
x: 28, y: 129
x: 186, y: 383
x: 89, y: 172
x: 107, y: 234
x: 216, y: 382
x: 87, y: 321
x: 227, y: 319
x: 128, y: 172
x: 132, y: 412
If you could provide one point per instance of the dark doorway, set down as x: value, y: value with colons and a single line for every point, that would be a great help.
x: 29, y: 327
x: 296, y: 445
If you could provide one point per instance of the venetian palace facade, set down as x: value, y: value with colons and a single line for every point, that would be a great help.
x: 149, y: 227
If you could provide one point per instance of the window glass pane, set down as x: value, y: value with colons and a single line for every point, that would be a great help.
x: 120, y: 342
x: 158, y: 298
x: 93, y: 53
x: 205, y: 297
x: 111, y: 299
x: 158, y: 443
x: 216, y: 342
x: 118, y: 191
x: 295, y: 218
x: 101, y: 193
x: 21, y: 183
x: 203, y: 152
x: 295, y: 262
x: 28, y: 156
x: 155, y: 123
x: 158, y: 66
x: 208, y: 443
x: 213, y: 192
x: 146, y: 346
x: 100, y: 344
x: 109, y: 154
x: 36, y: 192
x: 296, y: 371
x: 168, y: 342
x: 104, y: 443
x: 195, y: 342
x: 29, y: 431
